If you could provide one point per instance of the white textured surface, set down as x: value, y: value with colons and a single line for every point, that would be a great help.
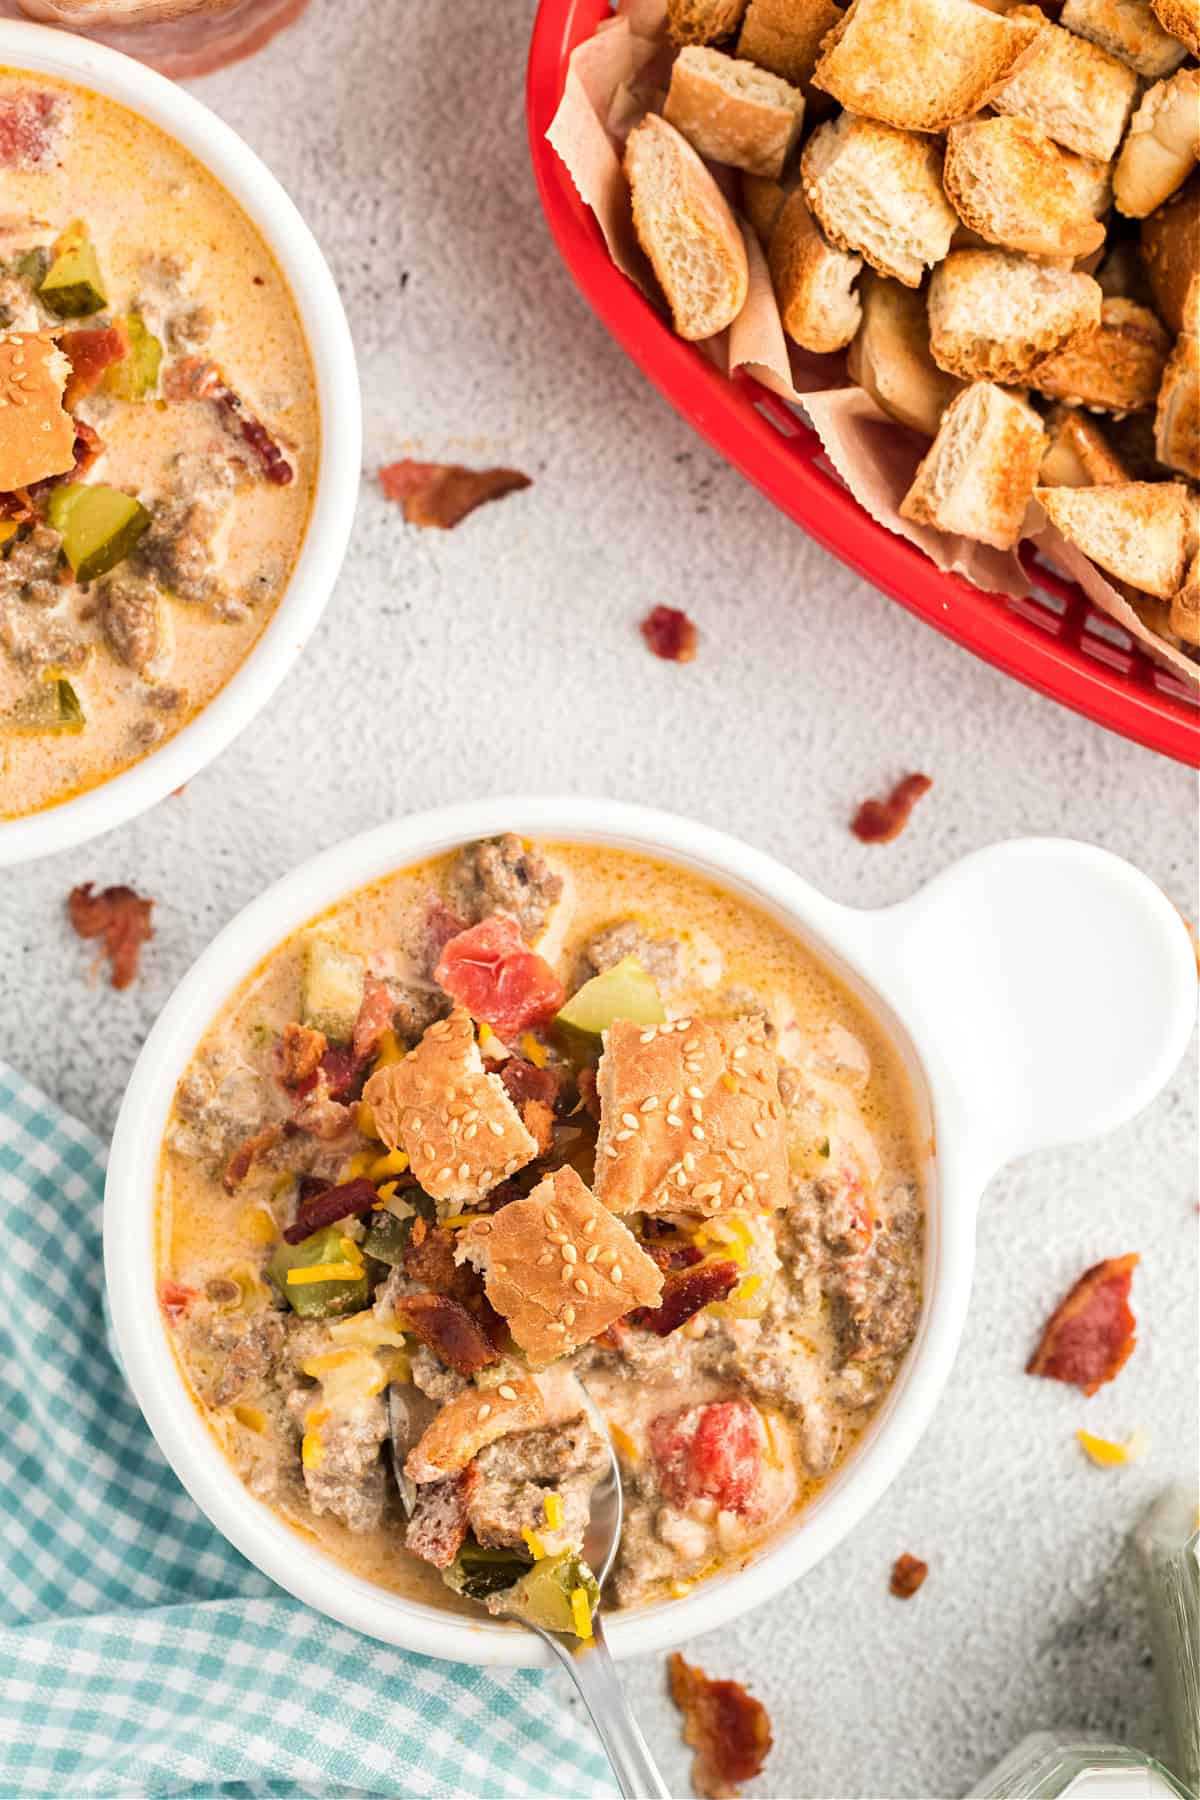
x: 505, y: 656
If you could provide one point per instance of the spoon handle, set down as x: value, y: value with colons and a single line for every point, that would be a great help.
x: 594, y: 1673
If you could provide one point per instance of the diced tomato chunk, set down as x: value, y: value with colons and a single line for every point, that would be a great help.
x: 175, y: 1299
x: 29, y: 121
x: 710, y: 1452
x: 491, y: 971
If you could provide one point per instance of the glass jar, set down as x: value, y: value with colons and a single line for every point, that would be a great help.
x: 179, y: 37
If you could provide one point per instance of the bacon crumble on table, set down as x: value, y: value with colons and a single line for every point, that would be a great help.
x: 729, y: 1729
x: 879, y: 821
x: 908, y: 1573
x: 670, y: 634
x: 442, y: 494
x: 1091, y: 1334
x: 118, y: 916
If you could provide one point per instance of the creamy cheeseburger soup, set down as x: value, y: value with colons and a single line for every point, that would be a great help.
x: 158, y: 439
x: 519, y: 1114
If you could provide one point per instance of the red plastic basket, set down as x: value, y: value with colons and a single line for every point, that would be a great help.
x: 1053, y: 640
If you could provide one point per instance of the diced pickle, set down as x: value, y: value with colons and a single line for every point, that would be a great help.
x: 318, y: 1299
x: 543, y: 1594
x: 331, y: 989
x: 53, y: 706
x: 99, y: 526
x: 73, y: 286
x: 136, y: 375
x: 31, y: 265
x: 623, y: 992
x: 387, y: 1237
x: 479, y: 1572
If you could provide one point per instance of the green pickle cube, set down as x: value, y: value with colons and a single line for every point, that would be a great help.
x: 318, y: 1299
x: 99, y: 526
x: 53, y: 706
x: 136, y: 375
x: 623, y: 992
x: 543, y: 1596
x: 73, y: 285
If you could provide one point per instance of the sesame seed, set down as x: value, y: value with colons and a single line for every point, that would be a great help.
x: 442, y: 1175
x: 557, y: 1237
x: 623, y: 1135
x: 553, y: 1220
x: 564, y: 1274
x: 691, y: 1044
x: 689, y: 1161
x: 506, y: 1392
x: 568, y: 1315
x: 484, y: 1410
x: 611, y: 1150
x: 675, y: 1102
x: 470, y: 1131
x: 745, y: 1196
x: 680, y: 1178
x: 697, y: 1111
x: 683, y: 1024
x: 774, y: 1109
x: 591, y: 1255
x: 496, y: 1129
x: 647, y: 1037
x: 761, y: 1175
x: 608, y: 1256
x: 673, y: 1119
x: 559, y: 1330
x: 545, y: 1259
x: 481, y: 1227
x: 650, y: 1104
x: 500, y: 1268
x: 581, y: 1286
x: 455, y: 1127
x: 630, y: 1119
x: 737, y: 1143
x: 759, y: 1129
x: 706, y: 1190
x: 698, y: 1132
x: 695, y: 1093
x: 615, y: 1274
x: 414, y: 1125
x: 691, y: 1067
x: 739, y: 1052
x: 569, y: 1253
x: 589, y: 1229
x: 464, y: 1169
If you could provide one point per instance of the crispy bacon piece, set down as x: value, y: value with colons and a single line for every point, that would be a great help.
x: 340, y: 1069
x: 298, y: 1053
x: 17, y: 507
x: 525, y: 1081
x: 438, y: 1524
x: 727, y: 1728
x: 449, y: 1330
x: 317, y: 1113
x: 684, y: 1292
x: 879, y: 821
x: 670, y: 634
x: 589, y: 1093
x: 429, y: 1259
x: 247, y: 1154
x: 908, y: 1572
x: 331, y: 1204
x: 538, y: 1120
x: 90, y: 353
x: 195, y: 378
x: 1091, y: 1334
x: 175, y: 1299
x: 375, y: 1016
x: 441, y: 924
x: 491, y: 971
x: 121, y: 918
x: 29, y: 121
x: 442, y: 494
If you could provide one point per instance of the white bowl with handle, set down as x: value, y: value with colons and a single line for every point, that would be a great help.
x: 41, y: 50
x: 1039, y: 992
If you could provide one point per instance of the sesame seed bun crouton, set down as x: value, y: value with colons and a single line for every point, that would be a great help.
x: 733, y: 112
x: 994, y: 316
x: 1162, y: 145
x: 979, y: 476
x: 691, y: 1120
x: 1128, y: 29
x: 785, y: 36
x: 37, y: 438
x: 878, y: 192
x: 686, y: 227
x: 762, y: 202
x: 921, y: 65
x: 1078, y: 453
x: 890, y: 356
x: 1170, y: 245
x: 1080, y: 95
x: 559, y: 1266
x: 1185, y: 607
x: 1117, y: 368
x: 468, y: 1423
x: 703, y: 21
x: 1177, y: 417
x: 1182, y: 19
x: 455, y: 1122
x: 1011, y: 183
x: 813, y: 282
x: 1137, y: 532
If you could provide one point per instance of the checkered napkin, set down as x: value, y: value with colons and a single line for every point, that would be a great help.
x: 139, y: 1653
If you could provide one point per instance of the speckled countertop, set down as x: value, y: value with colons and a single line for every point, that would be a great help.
x: 504, y: 656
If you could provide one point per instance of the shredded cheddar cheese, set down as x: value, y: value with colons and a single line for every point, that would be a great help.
x: 368, y: 1331
x: 624, y: 1444
x: 257, y: 1225
x: 533, y: 1051
x: 328, y: 1359
x: 364, y: 1118
x: 357, y: 1165
x: 394, y: 1163
x: 1108, y: 1455
x: 581, y: 1613
x: 553, y: 1508
x: 727, y: 1081
x: 458, y: 1220
x: 681, y: 1589
x: 252, y: 1417
x: 343, y: 1271
x: 7, y: 529
x: 390, y: 1050
x: 486, y: 1036
x: 533, y: 1543
x: 311, y: 1448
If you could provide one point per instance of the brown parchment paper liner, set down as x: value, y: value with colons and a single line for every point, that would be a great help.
x: 613, y: 79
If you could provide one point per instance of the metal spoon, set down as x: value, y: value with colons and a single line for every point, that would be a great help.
x: 586, y: 1660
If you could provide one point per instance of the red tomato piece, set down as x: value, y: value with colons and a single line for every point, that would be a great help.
x: 90, y: 353
x: 491, y: 971
x: 29, y: 121
x: 709, y: 1452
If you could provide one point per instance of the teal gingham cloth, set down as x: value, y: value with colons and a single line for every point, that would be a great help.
x: 140, y: 1654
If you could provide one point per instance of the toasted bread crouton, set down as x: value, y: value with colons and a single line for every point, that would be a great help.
x: 979, y: 475
x: 703, y: 21
x: 1177, y: 418
x: 920, y: 64
x: 1116, y: 368
x: 890, y: 356
x: 1137, y: 532
x: 1182, y: 19
x: 733, y: 112
x: 1128, y: 29
x: 813, y: 282
x: 1080, y: 95
x: 763, y: 200
x: 1162, y: 145
x: 685, y: 226
x: 1011, y: 183
x: 994, y: 316
x: 1170, y: 245
x: 1078, y: 453
x: 1185, y: 607
x: 878, y: 191
x: 785, y: 36
x: 1092, y: 181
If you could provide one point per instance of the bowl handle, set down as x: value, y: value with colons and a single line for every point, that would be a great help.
x: 1049, y: 986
